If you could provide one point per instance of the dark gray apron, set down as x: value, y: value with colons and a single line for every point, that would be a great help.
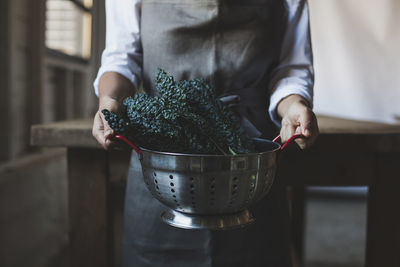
x: 234, y: 44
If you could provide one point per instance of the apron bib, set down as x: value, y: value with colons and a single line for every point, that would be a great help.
x: 234, y: 45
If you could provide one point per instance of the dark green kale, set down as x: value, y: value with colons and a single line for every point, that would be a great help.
x: 186, y: 117
x: 117, y: 123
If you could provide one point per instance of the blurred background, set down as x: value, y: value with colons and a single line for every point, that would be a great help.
x: 50, y: 52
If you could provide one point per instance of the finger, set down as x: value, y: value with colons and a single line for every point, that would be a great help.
x: 313, y: 133
x: 107, y: 133
x: 100, y: 134
x: 108, y: 143
x: 288, y: 130
x: 305, y: 129
x: 98, y: 129
x: 305, y: 120
x: 301, y: 142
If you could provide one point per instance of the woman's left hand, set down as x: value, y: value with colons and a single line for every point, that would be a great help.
x: 298, y: 118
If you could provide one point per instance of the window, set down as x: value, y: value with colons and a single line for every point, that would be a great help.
x: 68, y: 27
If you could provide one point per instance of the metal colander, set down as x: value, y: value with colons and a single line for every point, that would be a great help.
x: 210, y: 191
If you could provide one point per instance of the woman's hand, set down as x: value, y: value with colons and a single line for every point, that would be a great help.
x: 298, y: 118
x: 113, y: 89
x: 101, y: 130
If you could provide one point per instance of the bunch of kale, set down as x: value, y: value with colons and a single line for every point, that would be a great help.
x: 185, y: 117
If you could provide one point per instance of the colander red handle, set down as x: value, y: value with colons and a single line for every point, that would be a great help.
x: 137, y: 150
x: 120, y: 137
x: 288, y: 141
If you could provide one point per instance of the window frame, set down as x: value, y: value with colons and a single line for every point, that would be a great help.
x: 60, y: 55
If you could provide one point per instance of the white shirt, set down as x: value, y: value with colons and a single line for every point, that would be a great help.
x: 293, y: 75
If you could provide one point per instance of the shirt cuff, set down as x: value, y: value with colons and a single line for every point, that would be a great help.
x: 123, y: 71
x: 283, y: 91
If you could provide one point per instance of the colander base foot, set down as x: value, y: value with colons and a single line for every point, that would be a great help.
x: 210, y: 222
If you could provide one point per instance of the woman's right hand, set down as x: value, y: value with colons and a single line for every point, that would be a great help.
x: 113, y: 89
x: 101, y: 130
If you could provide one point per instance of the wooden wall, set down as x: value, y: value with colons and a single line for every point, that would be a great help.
x: 17, y: 90
x: 4, y: 62
x: 35, y: 87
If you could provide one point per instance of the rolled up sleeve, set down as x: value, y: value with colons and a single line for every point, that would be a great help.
x: 123, y: 51
x: 295, y: 73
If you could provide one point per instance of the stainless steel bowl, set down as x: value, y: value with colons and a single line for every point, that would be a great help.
x: 210, y: 191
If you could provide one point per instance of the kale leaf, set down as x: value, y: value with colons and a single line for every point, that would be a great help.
x: 185, y: 117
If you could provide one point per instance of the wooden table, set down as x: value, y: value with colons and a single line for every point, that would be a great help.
x: 346, y: 153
